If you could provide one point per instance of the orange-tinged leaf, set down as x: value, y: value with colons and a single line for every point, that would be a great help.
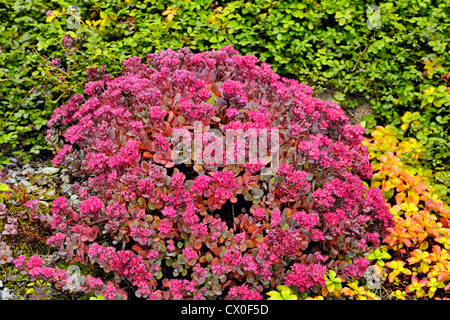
x: 443, y: 276
x: 433, y: 232
x: 393, y: 275
x: 197, y: 245
x: 407, y: 177
x: 402, y: 187
x: 383, y: 159
x: 413, y: 197
x: 216, y: 251
x: 420, y: 187
x: 347, y: 291
x: 250, y: 243
x: 378, y: 269
x: 169, y: 165
x: 387, y: 185
x: 400, y: 197
x: 158, y: 158
x: 407, y: 242
x: 260, y: 240
x: 197, y: 167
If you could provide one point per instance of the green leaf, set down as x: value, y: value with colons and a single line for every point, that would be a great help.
x: 4, y: 188
x: 385, y: 255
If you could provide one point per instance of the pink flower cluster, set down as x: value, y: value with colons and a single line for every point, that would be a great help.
x: 306, y: 276
x: 234, y: 89
x: 91, y: 205
x: 125, y: 263
x: 61, y: 279
x: 358, y: 267
x: 224, y: 228
x: 243, y: 292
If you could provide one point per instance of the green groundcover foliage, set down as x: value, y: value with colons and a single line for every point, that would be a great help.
x: 391, y: 55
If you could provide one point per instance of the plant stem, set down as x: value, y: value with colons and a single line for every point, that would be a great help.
x: 361, y: 56
x: 20, y: 104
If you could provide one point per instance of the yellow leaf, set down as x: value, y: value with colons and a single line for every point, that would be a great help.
x: 404, y: 126
x: 98, y: 52
x: 413, y: 197
x: 396, y: 181
x: 375, y: 184
x: 423, y: 245
x: 50, y: 18
x: 171, y: 16
x: 393, y: 275
x: 429, y: 91
x: 406, y: 115
x: 399, y: 198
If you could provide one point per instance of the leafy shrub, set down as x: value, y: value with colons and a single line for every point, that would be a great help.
x: 392, y: 153
x: 429, y: 126
x: 174, y: 229
x: 414, y: 259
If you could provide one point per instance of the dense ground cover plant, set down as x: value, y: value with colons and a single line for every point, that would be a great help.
x: 208, y: 230
x: 428, y: 127
x: 391, y: 147
x: 413, y: 259
x: 398, y: 67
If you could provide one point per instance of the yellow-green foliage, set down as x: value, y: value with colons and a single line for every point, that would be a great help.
x: 414, y: 260
x: 282, y: 293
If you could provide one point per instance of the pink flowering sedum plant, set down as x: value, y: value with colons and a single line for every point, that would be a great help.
x: 208, y: 229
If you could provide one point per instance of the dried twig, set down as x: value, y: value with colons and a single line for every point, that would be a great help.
x: 20, y: 104
x: 361, y: 56
x: 351, y: 114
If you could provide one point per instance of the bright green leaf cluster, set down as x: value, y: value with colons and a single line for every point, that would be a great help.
x: 282, y: 293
